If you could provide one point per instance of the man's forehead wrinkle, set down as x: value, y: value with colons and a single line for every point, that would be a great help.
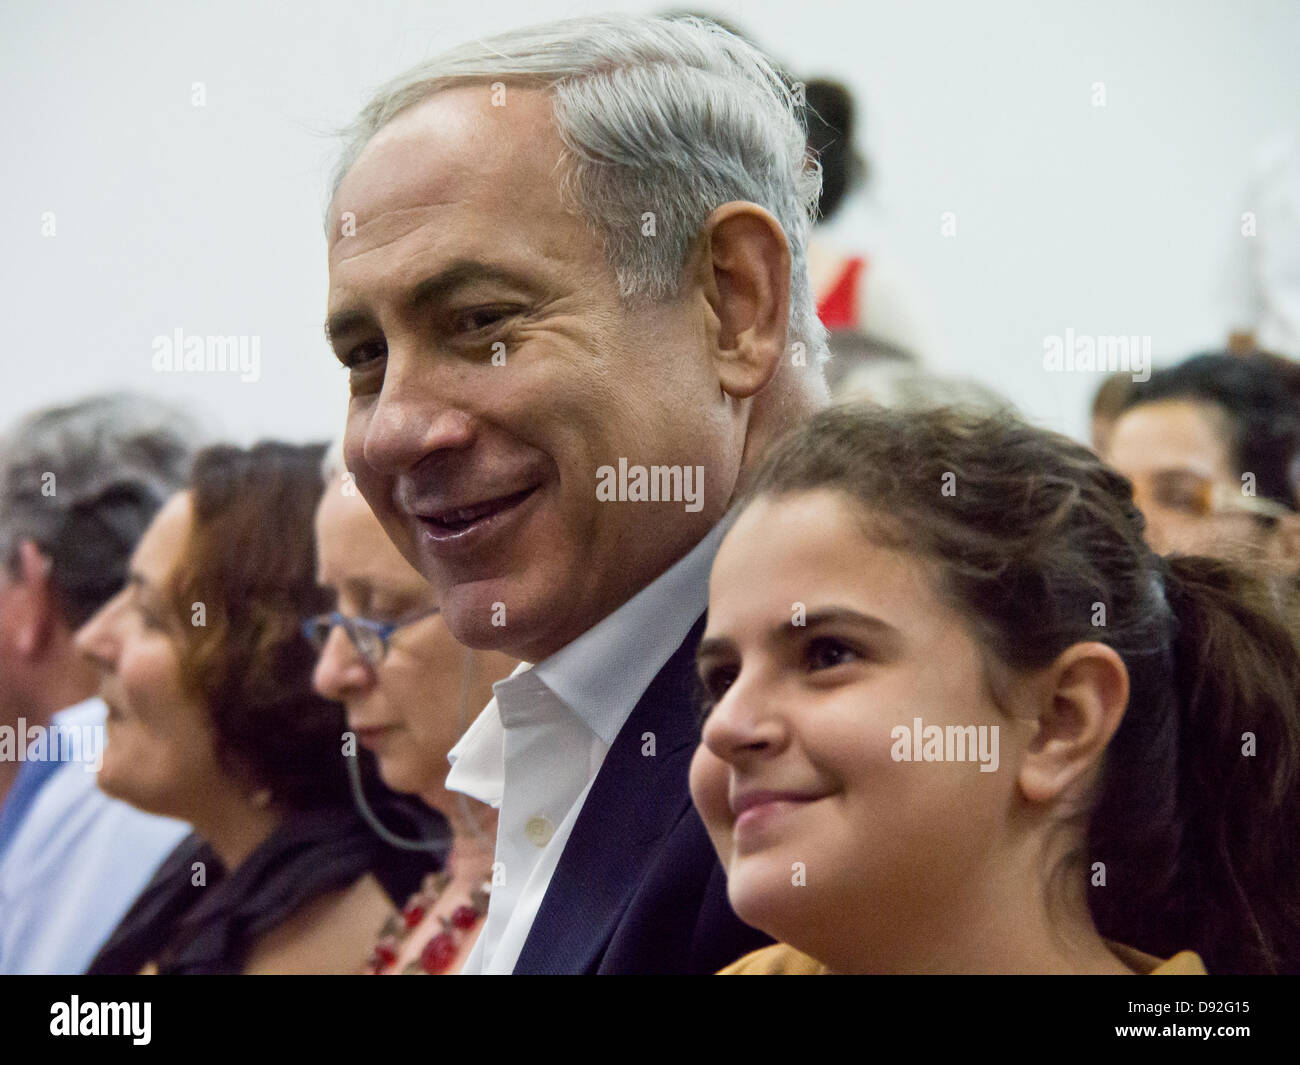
x: 396, y: 220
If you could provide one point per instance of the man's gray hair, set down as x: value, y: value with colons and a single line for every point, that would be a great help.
x: 673, y: 116
x: 83, y: 482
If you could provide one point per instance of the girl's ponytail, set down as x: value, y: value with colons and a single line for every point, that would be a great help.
x: 1236, y: 686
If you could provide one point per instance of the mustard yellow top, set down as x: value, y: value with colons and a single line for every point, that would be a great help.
x: 780, y: 960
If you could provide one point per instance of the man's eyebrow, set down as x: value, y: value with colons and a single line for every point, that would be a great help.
x: 439, y: 286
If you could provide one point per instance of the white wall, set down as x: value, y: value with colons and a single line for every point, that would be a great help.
x: 1117, y: 219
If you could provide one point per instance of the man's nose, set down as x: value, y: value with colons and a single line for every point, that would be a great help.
x: 419, y: 412
x: 340, y: 670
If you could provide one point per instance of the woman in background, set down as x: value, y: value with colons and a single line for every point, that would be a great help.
x: 963, y: 719
x: 1212, y: 446
x: 410, y: 690
x: 212, y: 720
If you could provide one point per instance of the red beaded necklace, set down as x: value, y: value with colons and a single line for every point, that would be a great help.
x: 442, y: 948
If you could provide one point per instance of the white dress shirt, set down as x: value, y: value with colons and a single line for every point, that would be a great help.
x: 535, y: 750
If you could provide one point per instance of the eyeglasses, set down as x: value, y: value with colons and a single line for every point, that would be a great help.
x: 370, y: 638
x: 1201, y: 497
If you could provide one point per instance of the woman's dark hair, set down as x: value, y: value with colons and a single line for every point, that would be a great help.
x: 1196, y: 815
x: 245, y: 581
x: 830, y: 117
x: 1257, y: 395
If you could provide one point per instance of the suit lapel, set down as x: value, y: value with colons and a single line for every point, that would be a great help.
x: 635, y: 800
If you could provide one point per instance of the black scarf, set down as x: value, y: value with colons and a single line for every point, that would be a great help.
x: 189, y: 929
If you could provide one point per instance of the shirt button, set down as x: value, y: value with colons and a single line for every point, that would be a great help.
x: 539, y: 830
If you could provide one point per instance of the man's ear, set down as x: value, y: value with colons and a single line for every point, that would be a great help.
x: 34, y: 598
x: 744, y: 273
x: 1081, y: 702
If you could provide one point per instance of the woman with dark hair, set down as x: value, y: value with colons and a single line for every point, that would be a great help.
x: 212, y: 720
x: 1212, y: 446
x: 964, y: 720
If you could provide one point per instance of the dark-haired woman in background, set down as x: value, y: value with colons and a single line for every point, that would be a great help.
x: 212, y: 719
x: 964, y: 720
x: 1212, y: 446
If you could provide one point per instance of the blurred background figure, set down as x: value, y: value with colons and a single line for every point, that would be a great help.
x: 1211, y: 447
x: 1266, y: 271
x: 78, y: 485
x: 410, y: 690
x: 1107, y: 406
x: 212, y: 719
x: 905, y: 385
x: 861, y: 299
x: 867, y: 307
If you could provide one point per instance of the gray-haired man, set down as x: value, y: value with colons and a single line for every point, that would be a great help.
x: 78, y: 485
x: 567, y: 275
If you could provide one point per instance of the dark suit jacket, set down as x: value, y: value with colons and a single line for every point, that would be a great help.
x: 639, y: 888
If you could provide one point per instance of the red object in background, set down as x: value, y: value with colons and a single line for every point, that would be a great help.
x: 839, y: 309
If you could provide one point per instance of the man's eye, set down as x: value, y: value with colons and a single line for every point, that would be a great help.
x: 825, y: 652
x: 480, y: 318
x: 364, y: 354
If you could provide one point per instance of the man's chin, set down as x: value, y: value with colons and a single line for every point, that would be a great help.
x: 490, y: 617
x: 480, y: 618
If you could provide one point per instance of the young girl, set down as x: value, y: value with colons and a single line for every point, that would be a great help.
x: 961, y: 719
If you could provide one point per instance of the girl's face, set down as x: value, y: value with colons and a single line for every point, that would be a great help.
x: 822, y: 649
x: 159, y: 752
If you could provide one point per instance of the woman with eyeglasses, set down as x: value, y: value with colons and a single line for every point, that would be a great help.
x: 410, y: 691
x: 1212, y: 447
x: 212, y: 719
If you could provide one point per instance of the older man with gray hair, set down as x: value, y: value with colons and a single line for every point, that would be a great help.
x: 568, y: 279
x: 78, y: 486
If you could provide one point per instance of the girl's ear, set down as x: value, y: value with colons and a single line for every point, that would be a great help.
x: 1084, y: 695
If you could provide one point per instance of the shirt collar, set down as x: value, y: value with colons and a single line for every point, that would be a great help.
x: 602, y: 674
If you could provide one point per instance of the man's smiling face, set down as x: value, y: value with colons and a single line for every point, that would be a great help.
x: 483, y: 470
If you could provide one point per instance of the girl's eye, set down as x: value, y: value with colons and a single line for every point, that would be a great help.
x: 718, y: 679
x: 825, y: 652
x: 714, y: 683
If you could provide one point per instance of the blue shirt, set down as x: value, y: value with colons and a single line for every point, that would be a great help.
x: 75, y: 863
